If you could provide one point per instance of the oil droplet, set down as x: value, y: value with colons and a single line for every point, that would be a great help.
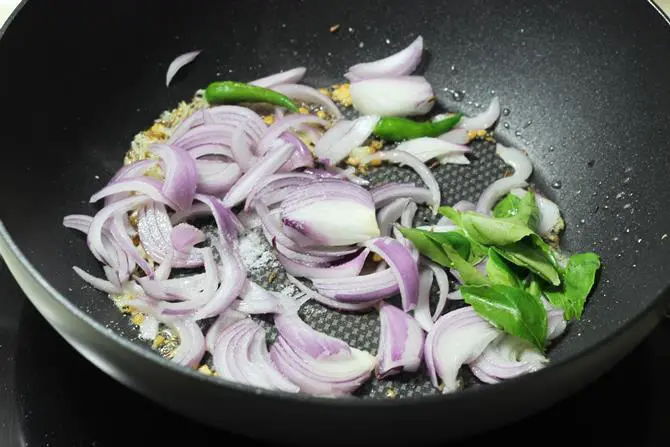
x: 453, y: 69
x: 458, y: 95
x: 517, y: 133
x: 493, y: 92
x: 361, y: 45
x: 582, y: 221
x: 626, y: 180
x: 506, y: 125
x: 477, y: 105
x: 557, y: 184
x: 527, y: 125
x: 506, y: 111
x: 388, y: 41
x: 552, y: 148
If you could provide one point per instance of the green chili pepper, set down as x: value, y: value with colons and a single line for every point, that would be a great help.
x: 398, y: 129
x: 229, y: 92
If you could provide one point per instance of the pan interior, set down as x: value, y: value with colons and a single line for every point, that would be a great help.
x: 589, y: 105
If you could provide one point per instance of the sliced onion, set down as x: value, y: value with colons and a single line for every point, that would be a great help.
x: 302, y: 157
x: 309, y: 95
x: 226, y: 223
x: 401, y: 341
x: 403, y: 158
x: 359, y: 289
x: 506, y: 358
x: 454, y: 159
x: 317, y: 363
x: 348, y: 173
x: 284, y: 77
x: 240, y: 355
x: 389, y: 214
x: 268, y: 165
x: 498, y: 189
x: 422, y: 310
x: 269, y: 186
x: 345, y: 136
x: 402, y: 63
x: 329, y: 302
x: 285, y: 124
x: 147, y: 186
x: 180, y: 174
x: 330, y: 212
x: 154, y: 229
x: 403, y: 266
x: 207, y: 135
x: 457, y: 338
x: 242, y: 147
x: 98, y: 283
x: 411, y: 95
x: 427, y: 148
x: 225, y: 320
x: 191, y: 347
x: 134, y: 170
x: 443, y: 286
x: 456, y: 136
x: 346, y: 269
x: 550, y: 215
x: 484, y: 120
x: 209, y: 150
x: 383, y: 195
x: 256, y: 300
x: 178, y: 63
x: 185, y: 236
x: 216, y: 177
x: 94, y: 238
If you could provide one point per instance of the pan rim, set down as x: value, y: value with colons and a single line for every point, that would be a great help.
x: 300, y: 398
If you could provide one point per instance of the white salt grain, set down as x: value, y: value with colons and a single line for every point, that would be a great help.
x: 255, y: 253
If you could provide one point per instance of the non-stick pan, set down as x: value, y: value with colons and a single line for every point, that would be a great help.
x: 586, y: 84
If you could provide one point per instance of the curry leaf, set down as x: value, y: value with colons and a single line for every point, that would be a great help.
x: 426, y: 245
x: 507, y: 207
x: 532, y: 286
x: 576, y: 283
x: 469, y: 274
x: 451, y: 214
x: 511, y: 309
x: 527, y: 254
x: 527, y: 212
x: 499, y: 272
x: 457, y: 240
x: 491, y: 231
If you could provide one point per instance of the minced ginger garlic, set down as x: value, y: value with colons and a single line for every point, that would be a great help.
x: 342, y: 94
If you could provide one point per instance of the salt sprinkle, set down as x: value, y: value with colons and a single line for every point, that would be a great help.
x: 255, y: 253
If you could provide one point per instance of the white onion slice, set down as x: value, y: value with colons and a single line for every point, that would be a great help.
x: 498, y: 189
x: 404, y: 158
x: 456, y: 136
x: 427, y: 148
x: 345, y: 136
x: 393, y: 96
x: 283, y: 77
x: 402, y: 63
x: 309, y: 95
x: 484, y: 120
x: 507, y: 358
x: 98, y: 283
x: 178, y: 63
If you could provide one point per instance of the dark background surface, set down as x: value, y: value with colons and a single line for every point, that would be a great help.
x: 51, y: 396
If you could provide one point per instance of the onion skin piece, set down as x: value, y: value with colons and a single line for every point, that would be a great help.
x: 400, y: 343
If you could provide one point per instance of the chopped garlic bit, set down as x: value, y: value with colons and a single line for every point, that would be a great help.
x: 334, y: 28
x: 137, y: 318
x: 304, y: 110
x: 377, y: 258
x: 269, y: 119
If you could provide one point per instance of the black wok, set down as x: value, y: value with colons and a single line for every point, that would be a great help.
x: 79, y: 79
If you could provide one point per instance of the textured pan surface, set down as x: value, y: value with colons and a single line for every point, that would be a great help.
x: 591, y: 81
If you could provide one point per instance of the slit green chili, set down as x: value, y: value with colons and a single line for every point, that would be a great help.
x: 397, y: 129
x: 230, y: 92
